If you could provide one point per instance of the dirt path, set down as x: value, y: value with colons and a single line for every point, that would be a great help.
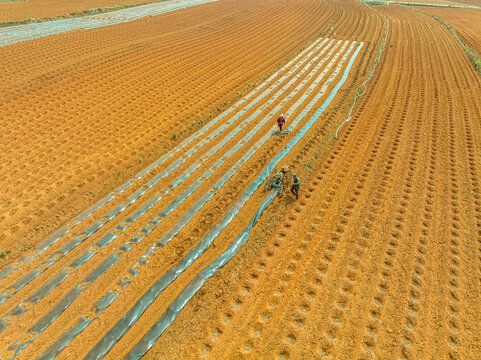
x: 380, y: 257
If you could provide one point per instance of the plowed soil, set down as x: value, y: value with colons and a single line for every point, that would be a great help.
x: 379, y: 257
x: 471, y: 2
x: 464, y: 21
x: 44, y: 9
x: 83, y: 112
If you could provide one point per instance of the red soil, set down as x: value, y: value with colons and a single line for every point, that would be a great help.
x: 44, y: 9
x: 82, y: 112
x: 466, y: 22
x: 379, y: 257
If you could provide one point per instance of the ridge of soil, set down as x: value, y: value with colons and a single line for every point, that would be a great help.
x: 379, y: 257
x: 48, y: 9
x: 82, y: 112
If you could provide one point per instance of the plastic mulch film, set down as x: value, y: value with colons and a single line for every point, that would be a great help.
x: 18, y: 33
x: 174, y: 309
x: 10, y: 291
x: 69, y: 298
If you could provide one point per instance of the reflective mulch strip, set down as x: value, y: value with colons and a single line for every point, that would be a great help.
x: 178, y: 304
x: 130, y: 318
x: 18, y: 33
x: 53, y: 314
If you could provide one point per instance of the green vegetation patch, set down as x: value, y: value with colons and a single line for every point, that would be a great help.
x: 472, y: 54
x: 376, y: 2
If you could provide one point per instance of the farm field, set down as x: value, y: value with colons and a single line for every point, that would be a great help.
x: 89, y: 91
x: 133, y: 164
x: 381, y: 256
x: 44, y: 9
x: 464, y: 21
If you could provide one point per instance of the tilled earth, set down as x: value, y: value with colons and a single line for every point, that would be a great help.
x: 83, y: 112
x: 464, y: 21
x: 13, y: 11
x: 379, y: 257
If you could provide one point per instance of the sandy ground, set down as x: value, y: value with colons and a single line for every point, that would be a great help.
x: 379, y: 257
x: 464, y: 21
x: 44, y: 9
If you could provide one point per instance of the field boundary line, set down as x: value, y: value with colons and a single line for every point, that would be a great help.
x: 472, y: 55
x: 360, y: 91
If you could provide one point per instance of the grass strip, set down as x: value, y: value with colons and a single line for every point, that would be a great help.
x: 434, y: 5
x: 387, y: 2
x: 472, y: 55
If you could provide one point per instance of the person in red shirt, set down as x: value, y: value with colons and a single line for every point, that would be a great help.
x: 280, y: 122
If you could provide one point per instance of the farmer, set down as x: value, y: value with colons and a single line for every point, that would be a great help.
x: 279, y: 177
x: 280, y: 122
x: 295, y: 185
